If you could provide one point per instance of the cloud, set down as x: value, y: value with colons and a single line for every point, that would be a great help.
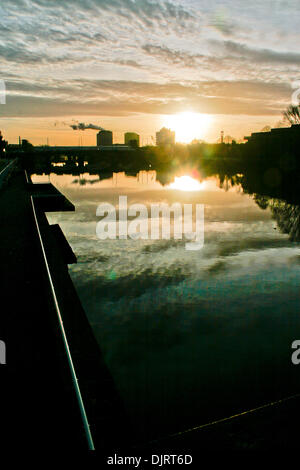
x: 260, y: 55
x: 16, y: 54
x: 118, y: 97
x: 127, y: 63
x: 66, y: 58
x: 222, y: 22
x: 147, y: 13
x: 172, y: 56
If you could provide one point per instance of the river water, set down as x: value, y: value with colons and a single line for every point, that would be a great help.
x: 189, y: 336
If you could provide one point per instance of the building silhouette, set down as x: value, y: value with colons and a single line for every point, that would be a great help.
x: 281, y: 140
x: 165, y: 137
x: 104, y: 138
x: 132, y: 139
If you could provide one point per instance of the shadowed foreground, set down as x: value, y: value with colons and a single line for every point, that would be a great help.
x: 39, y: 407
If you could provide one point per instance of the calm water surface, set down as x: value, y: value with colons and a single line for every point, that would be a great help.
x: 188, y: 336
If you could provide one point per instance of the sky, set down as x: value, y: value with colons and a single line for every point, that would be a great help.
x: 130, y: 65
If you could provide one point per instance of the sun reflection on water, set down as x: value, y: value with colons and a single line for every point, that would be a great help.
x: 187, y: 183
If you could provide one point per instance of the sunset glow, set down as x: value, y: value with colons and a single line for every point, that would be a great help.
x: 188, y: 125
x: 138, y: 66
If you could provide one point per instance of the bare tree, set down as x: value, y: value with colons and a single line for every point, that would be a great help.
x: 292, y: 114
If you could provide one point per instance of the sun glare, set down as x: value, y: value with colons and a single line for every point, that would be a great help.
x: 188, y: 125
x: 186, y: 183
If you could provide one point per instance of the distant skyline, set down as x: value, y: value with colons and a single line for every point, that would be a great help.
x: 130, y: 65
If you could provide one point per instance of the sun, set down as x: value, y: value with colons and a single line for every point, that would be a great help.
x: 188, y: 125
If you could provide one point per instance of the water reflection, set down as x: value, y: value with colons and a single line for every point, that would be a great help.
x: 287, y: 217
x: 186, y: 183
x: 83, y: 181
x: 188, y: 336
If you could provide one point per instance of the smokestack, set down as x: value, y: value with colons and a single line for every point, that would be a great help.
x: 82, y: 127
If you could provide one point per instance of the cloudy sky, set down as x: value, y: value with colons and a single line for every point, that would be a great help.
x: 127, y: 65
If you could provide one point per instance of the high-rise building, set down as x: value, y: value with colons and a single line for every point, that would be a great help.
x: 165, y: 136
x: 104, y: 138
x: 132, y: 139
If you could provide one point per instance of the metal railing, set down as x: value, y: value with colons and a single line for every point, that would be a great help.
x: 4, y: 172
x: 28, y: 181
x: 83, y: 414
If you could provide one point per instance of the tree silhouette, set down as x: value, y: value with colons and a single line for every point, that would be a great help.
x: 3, y: 144
x: 266, y: 129
x: 228, y: 139
x: 292, y: 114
x: 287, y: 217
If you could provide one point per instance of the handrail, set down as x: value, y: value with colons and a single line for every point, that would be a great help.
x: 26, y: 176
x: 4, y: 170
x: 84, y: 418
x: 223, y: 420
